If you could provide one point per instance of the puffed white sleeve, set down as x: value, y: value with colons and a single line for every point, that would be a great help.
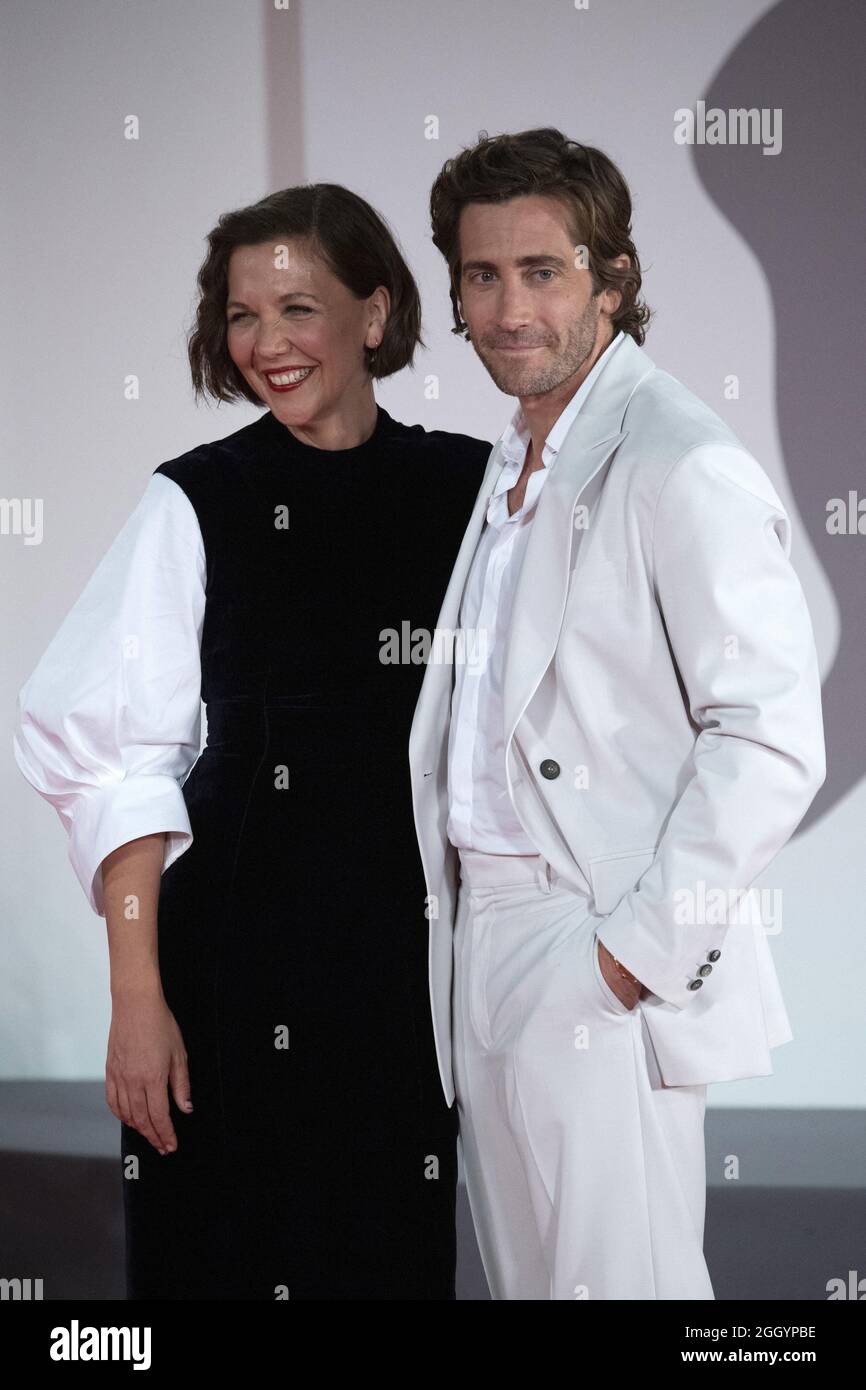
x: 109, y: 723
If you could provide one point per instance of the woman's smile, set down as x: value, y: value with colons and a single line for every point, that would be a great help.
x: 289, y: 379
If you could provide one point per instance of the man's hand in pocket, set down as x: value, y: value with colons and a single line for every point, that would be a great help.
x: 626, y: 992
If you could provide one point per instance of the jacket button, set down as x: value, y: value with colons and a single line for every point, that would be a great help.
x: 713, y: 955
x: 549, y: 769
x: 695, y: 984
x: 705, y: 970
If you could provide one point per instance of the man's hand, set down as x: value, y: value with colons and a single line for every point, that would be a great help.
x: 625, y: 992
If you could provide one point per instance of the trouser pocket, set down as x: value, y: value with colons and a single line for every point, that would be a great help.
x: 613, y: 1001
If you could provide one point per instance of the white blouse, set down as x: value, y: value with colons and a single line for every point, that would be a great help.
x: 109, y: 723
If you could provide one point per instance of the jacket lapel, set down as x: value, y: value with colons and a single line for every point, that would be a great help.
x: 542, y: 588
x: 437, y: 683
x: 554, y: 539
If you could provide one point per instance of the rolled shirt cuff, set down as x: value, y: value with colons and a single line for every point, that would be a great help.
x: 137, y: 806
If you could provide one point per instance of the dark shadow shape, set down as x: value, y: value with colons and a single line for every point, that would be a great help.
x: 803, y: 211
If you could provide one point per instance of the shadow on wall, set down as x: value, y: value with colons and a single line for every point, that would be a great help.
x: 803, y: 211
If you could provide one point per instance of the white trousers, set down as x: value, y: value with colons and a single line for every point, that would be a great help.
x: 586, y: 1175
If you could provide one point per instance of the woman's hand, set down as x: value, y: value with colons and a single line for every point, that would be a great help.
x: 146, y: 1055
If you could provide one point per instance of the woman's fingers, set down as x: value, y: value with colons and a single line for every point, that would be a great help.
x: 178, y: 1080
x: 124, y: 1108
x: 141, y: 1116
x: 160, y: 1120
x: 140, y: 1094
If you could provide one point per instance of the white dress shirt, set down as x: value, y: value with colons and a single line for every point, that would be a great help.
x: 480, y: 814
x: 109, y: 723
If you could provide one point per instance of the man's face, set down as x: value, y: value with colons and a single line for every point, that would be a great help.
x: 530, y: 309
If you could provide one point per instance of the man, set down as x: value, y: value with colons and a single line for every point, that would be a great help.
x: 594, y: 798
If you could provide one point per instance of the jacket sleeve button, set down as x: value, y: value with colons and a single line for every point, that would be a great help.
x: 695, y: 984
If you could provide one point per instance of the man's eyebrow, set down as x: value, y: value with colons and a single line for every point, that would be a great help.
x: 520, y: 262
x: 292, y: 294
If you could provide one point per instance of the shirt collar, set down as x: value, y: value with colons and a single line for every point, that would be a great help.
x: 515, y: 438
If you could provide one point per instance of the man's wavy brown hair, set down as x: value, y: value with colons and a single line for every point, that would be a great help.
x: 590, y: 187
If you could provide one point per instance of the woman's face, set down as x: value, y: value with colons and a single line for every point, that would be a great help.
x: 289, y: 316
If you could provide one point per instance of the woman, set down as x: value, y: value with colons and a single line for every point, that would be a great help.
x: 266, y: 923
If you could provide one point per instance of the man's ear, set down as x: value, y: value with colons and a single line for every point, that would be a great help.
x: 613, y: 298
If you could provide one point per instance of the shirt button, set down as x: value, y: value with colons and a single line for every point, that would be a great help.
x: 549, y: 769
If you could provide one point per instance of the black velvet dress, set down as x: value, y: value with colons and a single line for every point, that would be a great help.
x: 319, y: 1161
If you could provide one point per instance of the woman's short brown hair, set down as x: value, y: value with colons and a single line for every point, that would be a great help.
x: 588, y: 184
x: 349, y: 236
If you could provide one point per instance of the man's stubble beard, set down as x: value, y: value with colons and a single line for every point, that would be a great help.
x: 528, y: 379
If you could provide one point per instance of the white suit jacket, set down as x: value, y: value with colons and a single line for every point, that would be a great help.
x: 663, y: 722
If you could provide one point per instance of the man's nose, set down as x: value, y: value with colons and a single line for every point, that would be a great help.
x: 513, y: 309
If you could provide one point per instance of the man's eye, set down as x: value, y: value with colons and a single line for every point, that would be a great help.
x: 543, y: 270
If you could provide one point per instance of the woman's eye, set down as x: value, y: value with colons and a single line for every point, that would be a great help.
x: 289, y: 309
